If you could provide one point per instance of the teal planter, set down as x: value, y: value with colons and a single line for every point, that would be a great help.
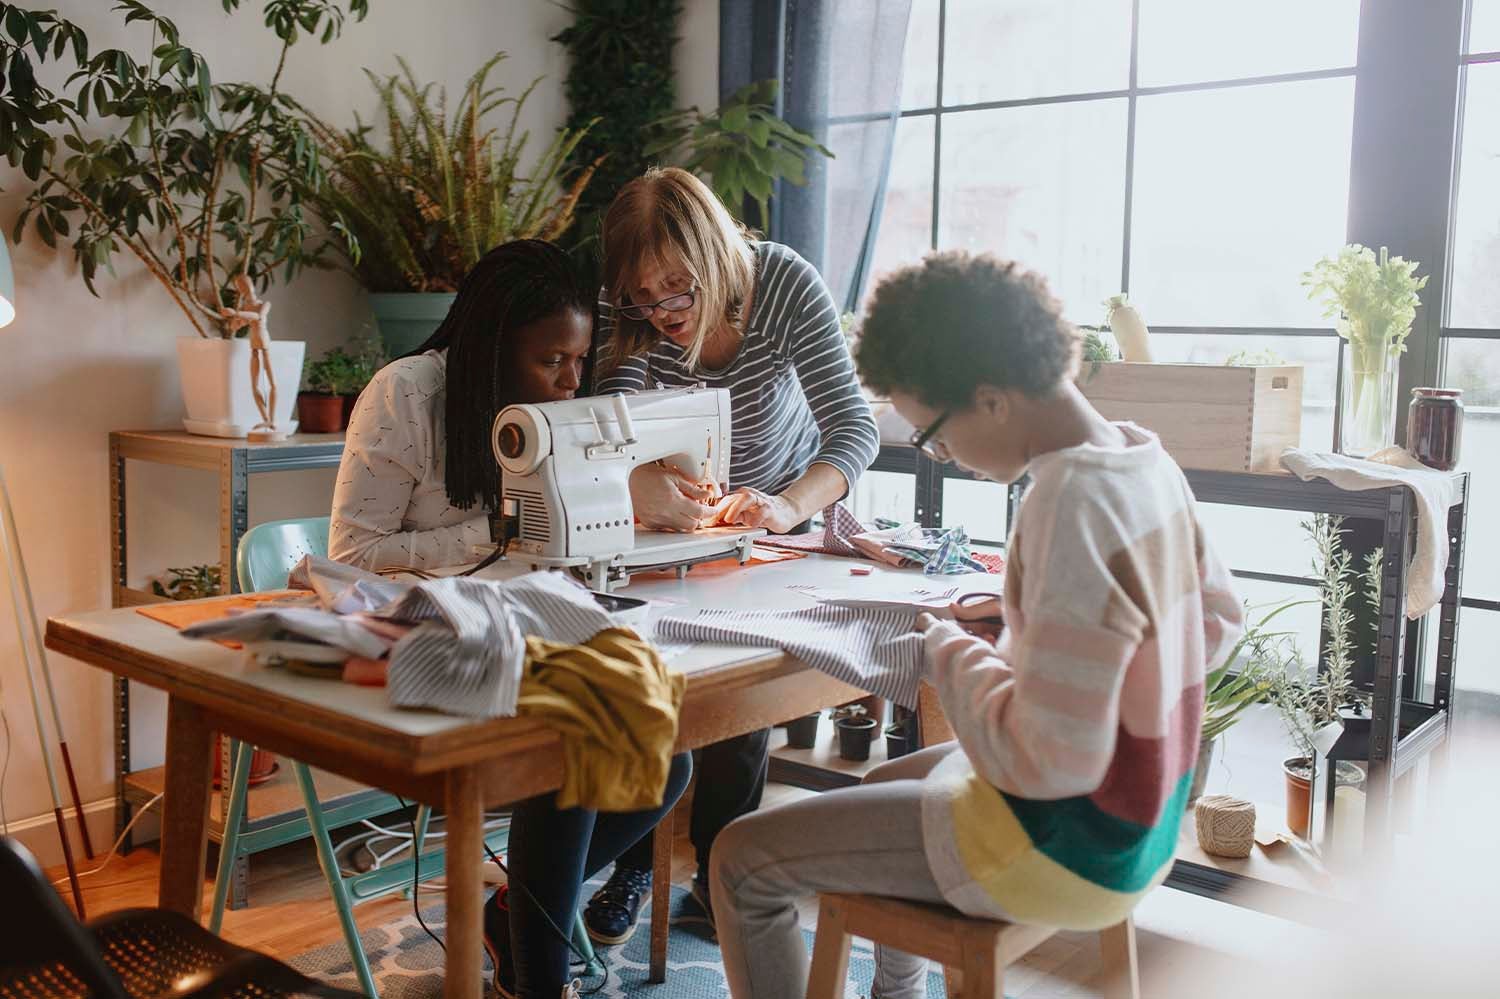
x: 406, y: 319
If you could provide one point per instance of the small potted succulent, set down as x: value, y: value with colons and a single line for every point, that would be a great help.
x: 320, y: 406
x: 855, y: 729
x: 367, y: 357
x: 802, y: 733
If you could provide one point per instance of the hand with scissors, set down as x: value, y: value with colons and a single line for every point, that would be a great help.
x: 980, y: 614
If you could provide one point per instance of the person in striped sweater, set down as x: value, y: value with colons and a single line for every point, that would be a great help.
x: 1077, y: 730
x: 691, y: 298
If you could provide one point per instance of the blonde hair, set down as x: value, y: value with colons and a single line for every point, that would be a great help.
x: 667, y: 218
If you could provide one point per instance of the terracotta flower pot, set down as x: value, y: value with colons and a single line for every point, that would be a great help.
x: 349, y: 401
x: 262, y: 764
x: 320, y: 413
x: 1298, y: 794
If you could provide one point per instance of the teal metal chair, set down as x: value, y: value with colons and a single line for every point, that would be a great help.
x: 268, y: 552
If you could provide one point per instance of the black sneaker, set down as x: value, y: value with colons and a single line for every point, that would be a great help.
x: 497, y: 942
x: 613, y: 912
x: 700, y: 895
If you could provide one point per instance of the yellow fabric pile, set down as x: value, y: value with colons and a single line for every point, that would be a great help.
x: 616, y: 704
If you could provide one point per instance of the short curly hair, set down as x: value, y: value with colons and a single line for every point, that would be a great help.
x: 939, y: 329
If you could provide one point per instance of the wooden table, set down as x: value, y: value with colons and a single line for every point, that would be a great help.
x: 457, y: 765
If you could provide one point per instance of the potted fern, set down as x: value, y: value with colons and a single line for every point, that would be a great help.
x: 444, y: 187
x: 201, y: 183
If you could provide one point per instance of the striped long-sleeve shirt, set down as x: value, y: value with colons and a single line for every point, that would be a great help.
x: 792, y: 388
x: 1078, y: 733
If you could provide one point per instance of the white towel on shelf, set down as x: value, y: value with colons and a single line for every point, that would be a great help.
x: 1435, y: 492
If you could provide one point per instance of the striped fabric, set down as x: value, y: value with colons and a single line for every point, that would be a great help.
x: 875, y: 650
x: 1078, y: 733
x: 793, y: 390
x: 467, y: 655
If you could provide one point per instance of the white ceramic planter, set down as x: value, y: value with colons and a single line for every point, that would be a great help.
x: 216, y: 384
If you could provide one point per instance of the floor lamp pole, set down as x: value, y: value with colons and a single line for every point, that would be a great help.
x: 20, y: 595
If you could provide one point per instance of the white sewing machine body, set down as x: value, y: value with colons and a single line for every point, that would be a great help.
x: 566, y: 477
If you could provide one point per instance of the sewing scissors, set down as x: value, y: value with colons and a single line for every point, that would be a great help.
x: 977, y: 598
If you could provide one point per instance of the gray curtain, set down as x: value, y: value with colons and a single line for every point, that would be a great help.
x: 839, y: 62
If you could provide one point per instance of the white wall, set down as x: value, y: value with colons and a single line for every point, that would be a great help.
x: 73, y: 367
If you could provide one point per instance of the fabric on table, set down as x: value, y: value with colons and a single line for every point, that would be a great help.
x: 467, y: 653
x: 294, y: 626
x: 938, y: 552
x: 343, y: 588
x: 878, y: 651
x: 1435, y: 492
x: 615, y: 703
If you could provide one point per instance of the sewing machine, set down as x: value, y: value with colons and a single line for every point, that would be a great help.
x: 566, y: 480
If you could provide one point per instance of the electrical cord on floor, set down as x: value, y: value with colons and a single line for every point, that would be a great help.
x: 566, y: 938
x: 416, y: 875
x: 115, y: 849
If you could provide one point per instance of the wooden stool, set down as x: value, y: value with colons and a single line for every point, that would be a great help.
x: 975, y: 951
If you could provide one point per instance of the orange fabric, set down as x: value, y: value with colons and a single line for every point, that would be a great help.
x: 190, y: 612
x: 723, y: 566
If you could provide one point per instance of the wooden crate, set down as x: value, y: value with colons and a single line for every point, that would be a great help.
x: 1236, y: 419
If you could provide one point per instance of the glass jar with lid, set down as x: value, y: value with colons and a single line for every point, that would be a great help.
x: 1435, y: 426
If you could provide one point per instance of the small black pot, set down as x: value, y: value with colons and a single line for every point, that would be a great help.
x: 802, y: 733
x: 897, y: 742
x: 854, y: 738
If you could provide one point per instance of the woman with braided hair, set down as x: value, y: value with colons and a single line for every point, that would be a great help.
x: 418, y: 481
x: 416, y: 488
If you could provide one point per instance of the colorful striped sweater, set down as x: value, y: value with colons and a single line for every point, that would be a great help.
x: 1078, y: 731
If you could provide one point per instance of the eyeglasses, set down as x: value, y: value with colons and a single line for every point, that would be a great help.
x: 923, y: 440
x: 680, y: 302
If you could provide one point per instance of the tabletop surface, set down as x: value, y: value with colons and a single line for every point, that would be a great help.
x: 156, y: 651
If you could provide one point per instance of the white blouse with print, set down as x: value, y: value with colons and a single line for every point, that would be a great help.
x: 390, y: 505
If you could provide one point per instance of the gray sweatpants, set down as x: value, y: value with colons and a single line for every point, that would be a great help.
x: 861, y: 839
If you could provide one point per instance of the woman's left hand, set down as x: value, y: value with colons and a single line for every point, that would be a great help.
x: 752, y: 508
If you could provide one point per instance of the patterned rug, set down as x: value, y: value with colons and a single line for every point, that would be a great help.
x: 408, y: 965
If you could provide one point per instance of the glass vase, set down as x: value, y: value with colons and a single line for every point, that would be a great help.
x: 1368, y: 414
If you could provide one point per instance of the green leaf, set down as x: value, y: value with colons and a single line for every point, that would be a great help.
x: 735, y: 119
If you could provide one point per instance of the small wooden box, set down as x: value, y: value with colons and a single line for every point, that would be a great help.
x: 1236, y: 419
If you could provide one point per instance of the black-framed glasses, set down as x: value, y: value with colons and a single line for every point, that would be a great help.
x: 680, y: 302
x: 923, y: 440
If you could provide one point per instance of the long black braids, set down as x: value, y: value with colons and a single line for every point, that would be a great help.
x: 513, y: 285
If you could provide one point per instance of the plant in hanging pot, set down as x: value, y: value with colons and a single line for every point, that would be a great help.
x: 855, y: 729
x: 442, y: 190
x: 1309, y: 699
x: 1373, y: 301
x: 202, y: 183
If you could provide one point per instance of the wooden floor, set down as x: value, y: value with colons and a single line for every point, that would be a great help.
x: 290, y: 914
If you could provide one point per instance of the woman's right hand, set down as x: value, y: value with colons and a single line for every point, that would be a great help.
x: 980, y: 618
x: 666, y: 500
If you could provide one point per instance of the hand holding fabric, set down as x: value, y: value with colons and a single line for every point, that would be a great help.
x: 752, y: 508
x: 666, y: 500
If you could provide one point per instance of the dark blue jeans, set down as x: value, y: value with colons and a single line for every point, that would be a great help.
x: 552, y: 852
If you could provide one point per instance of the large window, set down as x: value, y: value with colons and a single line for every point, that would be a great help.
x: 1471, y: 333
x: 1200, y: 155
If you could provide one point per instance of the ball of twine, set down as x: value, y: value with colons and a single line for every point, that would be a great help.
x: 1226, y: 825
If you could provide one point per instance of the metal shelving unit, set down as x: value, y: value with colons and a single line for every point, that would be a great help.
x: 273, y: 813
x: 1404, y: 726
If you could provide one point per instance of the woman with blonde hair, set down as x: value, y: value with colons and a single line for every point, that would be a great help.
x: 691, y: 297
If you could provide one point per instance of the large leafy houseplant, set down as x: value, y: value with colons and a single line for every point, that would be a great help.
x: 442, y: 188
x: 201, y: 182
x: 198, y: 181
x: 741, y: 150
x: 1373, y: 301
x: 620, y: 75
